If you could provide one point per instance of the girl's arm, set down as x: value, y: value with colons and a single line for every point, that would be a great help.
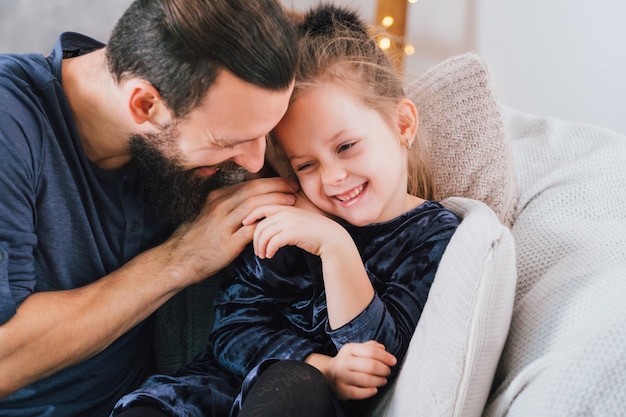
x: 356, y: 312
x: 402, y: 271
x: 348, y: 288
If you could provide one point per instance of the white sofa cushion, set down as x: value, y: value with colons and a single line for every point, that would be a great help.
x: 452, y: 357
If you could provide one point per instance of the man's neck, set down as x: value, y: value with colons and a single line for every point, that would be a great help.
x: 98, y: 105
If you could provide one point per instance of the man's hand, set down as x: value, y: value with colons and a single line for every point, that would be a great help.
x: 217, y: 235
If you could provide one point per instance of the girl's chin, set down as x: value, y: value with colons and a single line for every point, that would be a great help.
x: 355, y: 219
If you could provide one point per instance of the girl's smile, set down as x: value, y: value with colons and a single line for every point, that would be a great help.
x: 349, y: 198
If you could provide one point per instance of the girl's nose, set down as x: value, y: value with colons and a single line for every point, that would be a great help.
x: 332, y: 174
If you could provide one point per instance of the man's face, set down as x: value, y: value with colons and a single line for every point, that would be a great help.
x: 230, y: 125
x: 183, y: 162
x: 171, y: 191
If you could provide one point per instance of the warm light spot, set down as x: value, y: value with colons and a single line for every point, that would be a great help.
x: 384, y: 43
x: 387, y: 21
x: 409, y: 50
x: 412, y: 1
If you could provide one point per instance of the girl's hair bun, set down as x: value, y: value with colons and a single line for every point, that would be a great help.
x: 325, y: 19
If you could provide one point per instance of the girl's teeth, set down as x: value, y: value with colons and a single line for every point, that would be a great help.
x: 351, y: 194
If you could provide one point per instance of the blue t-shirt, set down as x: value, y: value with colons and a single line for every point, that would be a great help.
x: 64, y: 223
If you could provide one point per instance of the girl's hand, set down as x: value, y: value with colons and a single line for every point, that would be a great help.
x: 359, y: 369
x: 280, y: 226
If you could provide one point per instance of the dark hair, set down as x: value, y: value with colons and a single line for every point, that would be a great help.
x: 180, y: 46
x: 334, y: 45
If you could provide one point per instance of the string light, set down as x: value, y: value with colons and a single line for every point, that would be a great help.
x: 408, y: 48
x: 384, y: 43
x: 391, y: 15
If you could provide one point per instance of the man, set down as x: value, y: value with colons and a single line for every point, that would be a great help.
x: 104, y: 151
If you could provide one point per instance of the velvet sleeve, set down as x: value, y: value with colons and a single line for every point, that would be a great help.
x: 402, y: 265
x: 255, y: 319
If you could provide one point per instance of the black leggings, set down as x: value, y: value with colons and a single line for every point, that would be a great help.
x: 285, y: 389
x: 290, y: 389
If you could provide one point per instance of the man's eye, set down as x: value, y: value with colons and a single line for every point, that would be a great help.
x: 303, y: 167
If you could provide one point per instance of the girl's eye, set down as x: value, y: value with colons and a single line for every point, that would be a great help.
x: 345, y: 147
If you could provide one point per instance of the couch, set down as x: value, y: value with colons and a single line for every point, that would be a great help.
x: 525, y: 317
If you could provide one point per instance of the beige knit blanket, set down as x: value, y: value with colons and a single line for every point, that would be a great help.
x: 566, y: 351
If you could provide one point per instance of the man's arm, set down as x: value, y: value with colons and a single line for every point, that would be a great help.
x: 54, y: 330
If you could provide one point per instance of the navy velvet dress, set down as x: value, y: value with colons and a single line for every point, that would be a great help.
x: 273, y: 309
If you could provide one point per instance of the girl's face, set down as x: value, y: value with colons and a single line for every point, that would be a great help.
x: 347, y: 158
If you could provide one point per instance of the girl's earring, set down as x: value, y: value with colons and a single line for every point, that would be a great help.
x: 409, y: 144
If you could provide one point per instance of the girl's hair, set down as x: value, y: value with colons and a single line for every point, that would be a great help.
x: 180, y: 46
x: 335, y: 46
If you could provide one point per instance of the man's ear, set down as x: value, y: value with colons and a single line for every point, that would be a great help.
x: 407, y: 121
x: 145, y: 104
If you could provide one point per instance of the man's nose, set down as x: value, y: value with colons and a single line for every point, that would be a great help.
x: 251, y: 155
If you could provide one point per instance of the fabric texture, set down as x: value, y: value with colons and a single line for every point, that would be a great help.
x: 452, y: 358
x: 460, y: 122
x: 566, y: 352
x: 183, y: 325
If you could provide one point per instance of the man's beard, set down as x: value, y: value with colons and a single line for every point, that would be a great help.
x: 171, y: 192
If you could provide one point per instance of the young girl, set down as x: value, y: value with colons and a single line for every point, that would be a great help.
x: 316, y: 314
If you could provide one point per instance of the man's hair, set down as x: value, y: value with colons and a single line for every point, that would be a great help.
x: 180, y: 46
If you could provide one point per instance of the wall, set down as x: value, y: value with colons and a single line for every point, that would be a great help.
x: 561, y: 58
x: 34, y: 25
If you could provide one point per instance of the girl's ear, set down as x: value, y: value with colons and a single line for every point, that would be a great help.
x: 407, y: 121
x: 145, y: 104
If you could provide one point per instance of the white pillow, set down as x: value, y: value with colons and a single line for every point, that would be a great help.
x: 452, y: 357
